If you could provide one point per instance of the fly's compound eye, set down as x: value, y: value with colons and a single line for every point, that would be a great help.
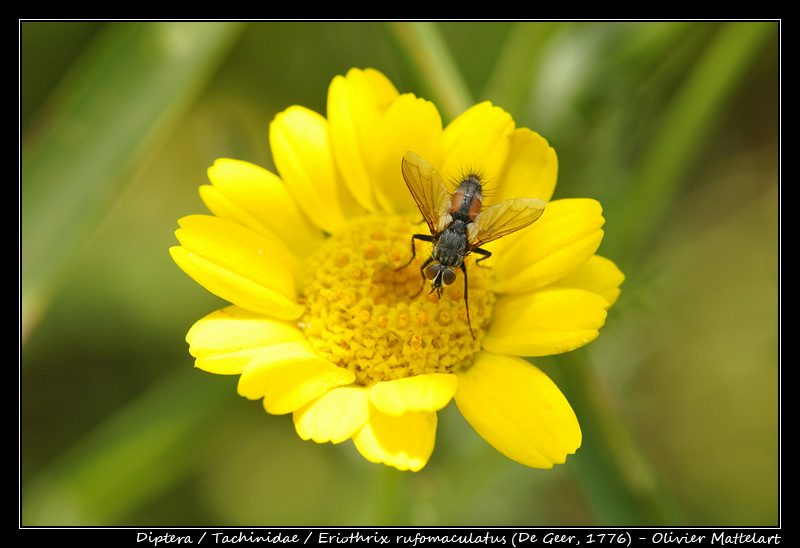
x: 432, y: 270
x: 437, y: 272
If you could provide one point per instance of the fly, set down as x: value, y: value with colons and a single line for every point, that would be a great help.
x: 458, y: 225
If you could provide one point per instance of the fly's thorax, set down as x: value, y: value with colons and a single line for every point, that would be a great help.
x: 452, y: 245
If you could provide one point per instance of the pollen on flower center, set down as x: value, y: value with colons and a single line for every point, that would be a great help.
x: 364, y: 314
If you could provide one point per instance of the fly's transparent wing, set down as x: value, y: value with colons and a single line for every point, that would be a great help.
x: 428, y: 190
x: 504, y: 218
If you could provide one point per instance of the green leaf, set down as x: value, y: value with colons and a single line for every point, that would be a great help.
x: 121, y: 98
x: 130, y: 458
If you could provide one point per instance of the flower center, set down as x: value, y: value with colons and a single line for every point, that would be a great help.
x: 364, y: 314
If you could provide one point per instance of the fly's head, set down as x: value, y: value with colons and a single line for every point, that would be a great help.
x: 440, y: 276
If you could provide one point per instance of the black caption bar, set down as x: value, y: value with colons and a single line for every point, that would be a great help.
x: 407, y: 537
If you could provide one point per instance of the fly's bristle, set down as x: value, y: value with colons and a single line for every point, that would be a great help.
x: 478, y: 174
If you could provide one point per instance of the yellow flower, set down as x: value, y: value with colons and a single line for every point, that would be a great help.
x: 323, y: 325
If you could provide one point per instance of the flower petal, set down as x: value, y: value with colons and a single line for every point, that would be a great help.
x: 225, y: 341
x: 239, y: 265
x: 548, y: 321
x: 419, y: 393
x: 518, y: 410
x: 356, y: 104
x: 405, y: 442
x: 531, y: 169
x: 258, y: 199
x: 335, y: 416
x: 599, y: 275
x: 289, y: 376
x: 478, y: 139
x: 300, y: 147
x: 409, y: 124
x: 566, y: 236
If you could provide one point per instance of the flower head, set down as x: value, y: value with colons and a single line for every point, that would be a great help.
x: 327, y: 325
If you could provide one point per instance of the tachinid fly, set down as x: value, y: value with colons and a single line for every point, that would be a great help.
x: 458, y: 225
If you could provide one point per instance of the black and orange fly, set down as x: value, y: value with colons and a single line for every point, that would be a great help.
x: 458, y: 225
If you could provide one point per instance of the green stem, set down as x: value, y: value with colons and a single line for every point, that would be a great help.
x: 678, y: 138
x: 620, y: 481
x: 423, y: 50
x: 517, y: 65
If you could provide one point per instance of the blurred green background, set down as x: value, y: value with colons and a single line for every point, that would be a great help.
x: 673, y: 126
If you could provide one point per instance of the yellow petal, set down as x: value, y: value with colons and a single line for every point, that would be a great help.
x: 356, y: 104
x: 405, y: 442
x: 224, y: 207
x: 409, y: 124
x: 478, y: 140
x: 599, y: 275
x: 565, y: 236
x: 299, y: 141
x: 239, y: 265
x: 225, y: 341
x: 518, y: 410
x: 258, y: 199
x: 289, y: 376
x: 531, y: 169
x: 335, y: 416
x: 419, y: 393
x: 548, y: 321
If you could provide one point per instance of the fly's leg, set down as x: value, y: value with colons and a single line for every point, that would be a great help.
x: 424, y: 238
x: 428, y: 261
x: 466, y: 300
x: 486, y: 255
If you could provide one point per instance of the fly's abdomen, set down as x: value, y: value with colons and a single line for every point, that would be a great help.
x: 467, y: 199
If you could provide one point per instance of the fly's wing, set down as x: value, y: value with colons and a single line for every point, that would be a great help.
x: 428, y: 190
x: 504, y: 218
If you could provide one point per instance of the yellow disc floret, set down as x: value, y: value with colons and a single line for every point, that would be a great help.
x: 364, y: 314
